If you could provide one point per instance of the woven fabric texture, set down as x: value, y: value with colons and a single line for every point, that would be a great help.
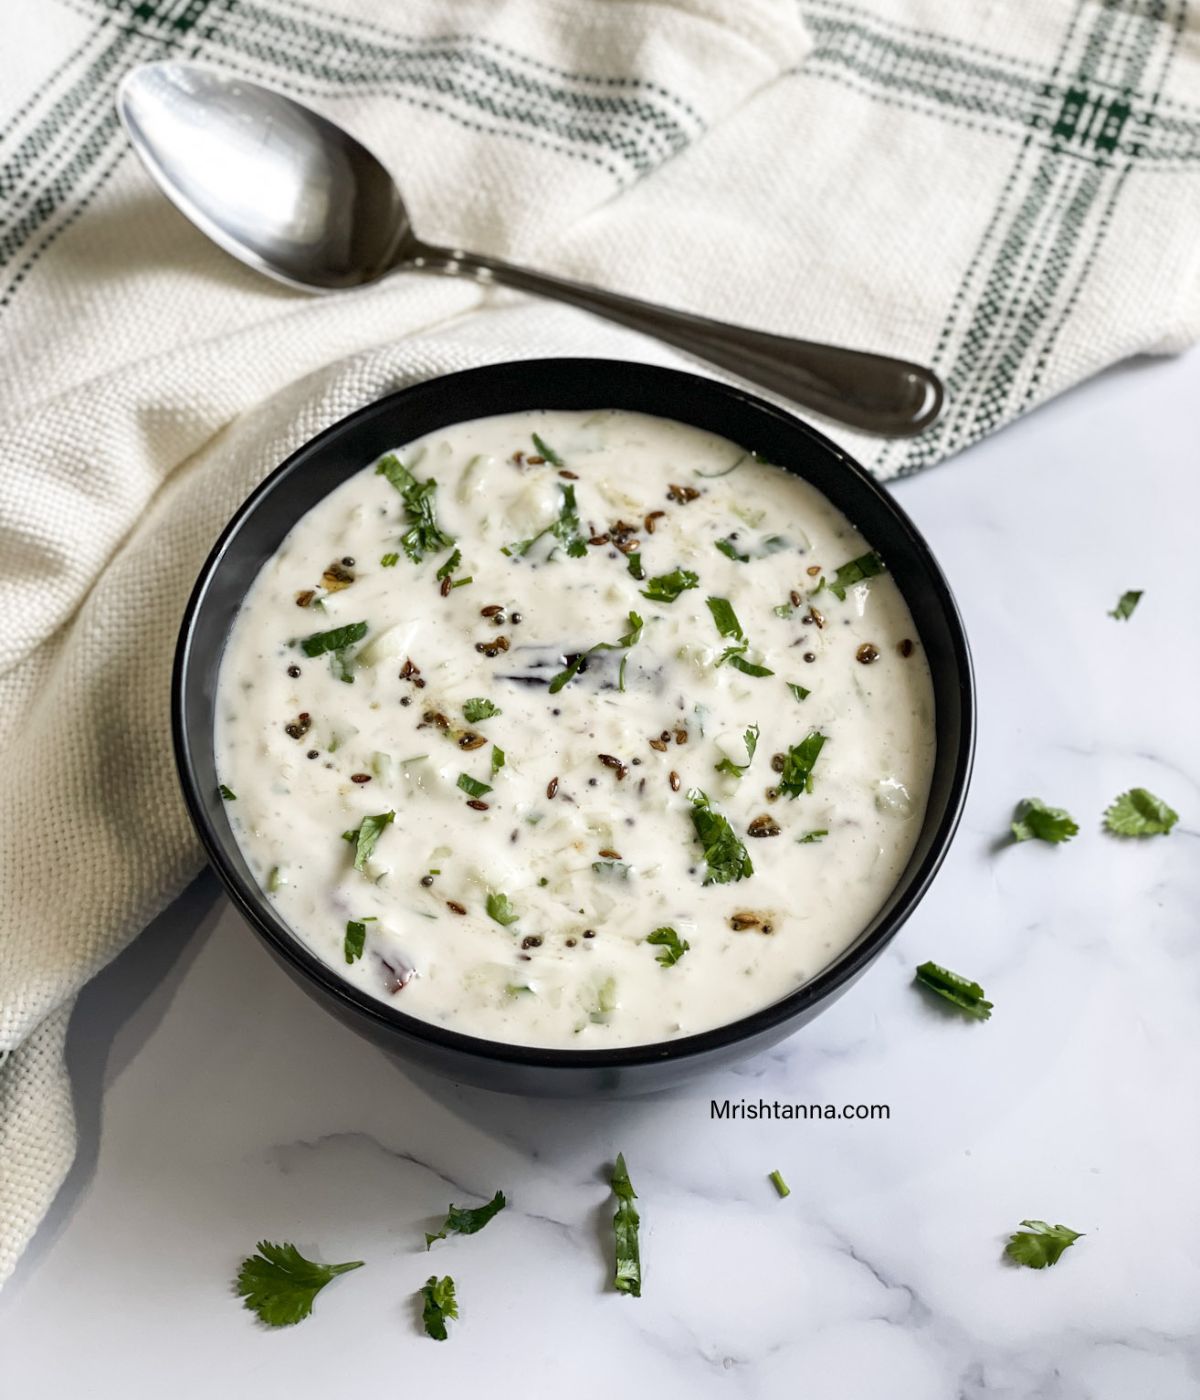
x: 1008, y: 191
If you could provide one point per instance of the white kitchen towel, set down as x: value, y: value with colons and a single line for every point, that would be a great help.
x: 1009, y: 191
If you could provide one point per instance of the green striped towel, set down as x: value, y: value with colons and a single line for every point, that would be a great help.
x: 1010, y: 191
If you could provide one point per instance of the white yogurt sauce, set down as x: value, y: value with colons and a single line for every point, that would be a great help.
x: 527, y: 916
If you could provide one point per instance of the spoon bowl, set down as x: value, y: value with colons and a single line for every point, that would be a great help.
x: 290, y: 193
x: 279, y: 186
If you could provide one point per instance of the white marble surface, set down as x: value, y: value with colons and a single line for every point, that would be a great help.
x: 218, y: 1105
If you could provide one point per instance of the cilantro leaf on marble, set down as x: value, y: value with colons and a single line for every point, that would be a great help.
x: 1126, y: 604
x: 960, y: 991
x: 440, y: 1304
x: 1039, y: 1245
x: 1139, y: 813
x: 279, y: 1284
x: 628, y: 1275
x: 1035, y: 821
x: 468, y: 1220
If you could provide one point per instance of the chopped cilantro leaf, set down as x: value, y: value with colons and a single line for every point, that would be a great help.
x: 389, y: 561
x: 356, y: 938
x: 396, y: 472
x: 631, y: 638
x: 497, y: 759
x: 472, y: 786
x: 865, y: 566
x: 667, y: 587
x: 1126, y: 604
x: 477, y: 709
x: 729, y: 626
x: 1035, y: 821
x: 423, y: 535
x: 799, y: 691
x: 336, y: 639
x: 465, y: 1220
x: 227, y: 793
x: 279, y: 1284
x: 961, y: 991
x: 634, y: 562
x: 499, y: 907
x: 628, y: 1275
x: 449, y: 566
x: 735, y: 770
x: 1139, y: 813
x: 1039, y: 1245
x: 440, y: 1304
x: 724, y: 854
x: 565, y: 530
x: 365, y: 835
x: 736, y: 656
x: 567, y: 676
x: 768, y: 545
x: 811, y: 838
x: 798, y: 764
x: 725, y: 617
x: 673, y: 947
x: 545, y: 450
x: 566, y: 527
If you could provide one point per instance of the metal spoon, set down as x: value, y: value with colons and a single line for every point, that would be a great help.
x: 293, y: 195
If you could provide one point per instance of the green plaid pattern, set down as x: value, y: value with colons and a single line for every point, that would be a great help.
x: 1069, y: 130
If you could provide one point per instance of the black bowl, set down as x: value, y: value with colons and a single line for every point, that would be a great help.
x: 258, y: 529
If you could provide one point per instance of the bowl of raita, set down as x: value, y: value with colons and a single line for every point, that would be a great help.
x: 571, y: 726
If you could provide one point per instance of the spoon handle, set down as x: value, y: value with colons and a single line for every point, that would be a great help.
x: 875, y: 393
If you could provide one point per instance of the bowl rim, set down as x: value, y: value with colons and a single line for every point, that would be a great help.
x: 250, y: 902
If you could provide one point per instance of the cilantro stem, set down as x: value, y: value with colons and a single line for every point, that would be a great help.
x: 627, y: 1277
